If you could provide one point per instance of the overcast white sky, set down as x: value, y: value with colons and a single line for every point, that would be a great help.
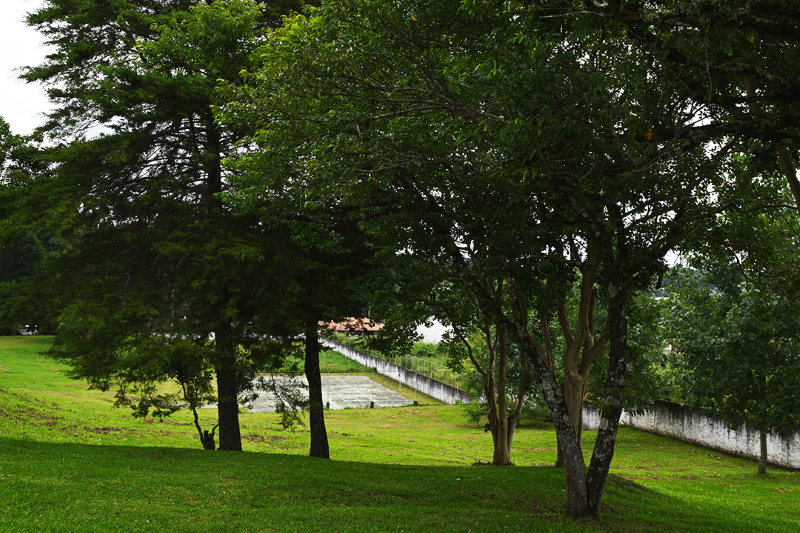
x: 21, y: 104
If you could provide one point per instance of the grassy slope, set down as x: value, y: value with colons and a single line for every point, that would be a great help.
x: 70, y: 463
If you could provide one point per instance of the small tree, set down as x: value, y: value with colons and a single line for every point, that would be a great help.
x: 738, y: 346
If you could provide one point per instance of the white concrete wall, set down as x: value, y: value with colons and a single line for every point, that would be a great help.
x: 434, y: 388
x: 685, y: 423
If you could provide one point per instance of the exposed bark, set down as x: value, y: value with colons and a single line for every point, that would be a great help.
x: 499, y: 422
x: 206, y: 438
x: 762, y: 434
x: 227, y: 391
x: 581, y: 349
x: 545, y: 378
x: 762, y: 463
x: 316, y: 409
x: 789, y: 170
x: 228, y: 406
x: 619, y: 353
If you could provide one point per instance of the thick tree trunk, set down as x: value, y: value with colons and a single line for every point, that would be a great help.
x: 619, y: 353
x: 573, y: 456
x: 228, y: 405
x: 581, y: 349
x: 316, y: 410
x: 225, y: 363
x: 502, y: 445
x: 559, y: 452
x: 227, y: 391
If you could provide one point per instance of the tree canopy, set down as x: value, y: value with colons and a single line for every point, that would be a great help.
x: 500, y: 142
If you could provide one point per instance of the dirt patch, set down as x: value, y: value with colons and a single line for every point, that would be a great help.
x: 102, y: 430
x: 269, y: 439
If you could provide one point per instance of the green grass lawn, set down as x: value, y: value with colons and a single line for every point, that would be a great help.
x: 68, y: 462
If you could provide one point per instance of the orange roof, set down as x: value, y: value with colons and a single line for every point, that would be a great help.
x: 355, y: 324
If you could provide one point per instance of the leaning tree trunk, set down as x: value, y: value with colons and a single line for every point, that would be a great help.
x: 206, y: 438
x: 574, y: 388
x: 618, y: 355
x: 570, y: 447
x: 551, y: 391
x: 316, y: 410
x: 227, y: 391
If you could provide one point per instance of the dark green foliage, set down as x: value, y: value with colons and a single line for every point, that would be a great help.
x: 738, y: 345
x: 648, y: 378
x: 160, y: 280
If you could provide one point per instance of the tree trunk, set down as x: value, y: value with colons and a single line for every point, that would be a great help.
x: 227, y: 390
x: 316, y: 410
x: 618, y: 355
x: 762, y: 463
x: 228, y: 405
x: 573, y: 456
x: 559, y: 452
x: 502, y: 445
x: 502, y: 448
x: 227, y: 384
x: 206, y: 438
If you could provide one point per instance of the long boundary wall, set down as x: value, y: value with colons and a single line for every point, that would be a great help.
x: 432, y: 387
x: 685, y: 423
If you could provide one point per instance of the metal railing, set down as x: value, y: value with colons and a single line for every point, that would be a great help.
x: 414, y: 363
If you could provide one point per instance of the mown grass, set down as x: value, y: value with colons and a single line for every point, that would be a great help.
x: 70, y: 463
x: 329, y: 361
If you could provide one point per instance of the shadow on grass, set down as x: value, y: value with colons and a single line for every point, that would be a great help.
x: 78, y: 487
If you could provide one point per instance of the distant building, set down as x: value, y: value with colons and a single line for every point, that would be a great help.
x: 355, y: 327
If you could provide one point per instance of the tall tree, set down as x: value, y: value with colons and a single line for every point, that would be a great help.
x: 22, y: 247
x: 503, y: 142
x: 719, y: 321
x: 161, y: 280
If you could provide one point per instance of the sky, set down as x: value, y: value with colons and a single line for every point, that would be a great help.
x: 21, y: 104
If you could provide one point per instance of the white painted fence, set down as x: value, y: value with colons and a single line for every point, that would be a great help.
x: 434, y: 388
x: 684, y: 423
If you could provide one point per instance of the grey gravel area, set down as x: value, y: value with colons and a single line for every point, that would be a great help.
x: 340, y: 392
